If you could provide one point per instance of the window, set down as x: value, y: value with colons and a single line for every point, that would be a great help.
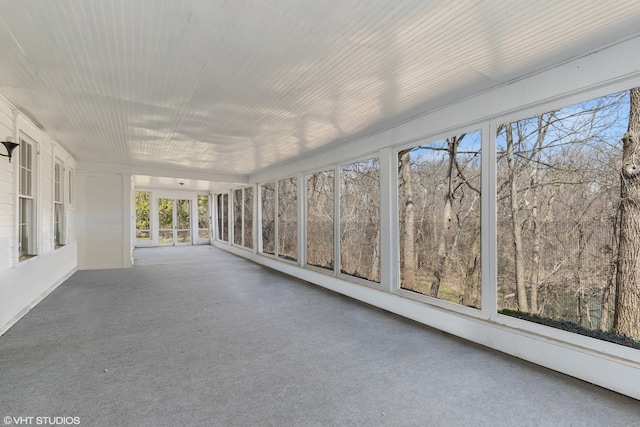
x: 26, y: 202
x: 220, y: 215
x: 70, y: 186
x: 58, y: 205
x: 268, y: 209
x: 166, y: 223
x: 143, y: 215
x: 243, y: 217
x: 237, y: 217
x: 287, y: 219
x: 439, y: 212
x: 203, y: 216
x: 360, y: 220
x: 568, y: 217
x: 223, y: 221
x: 247, y: 222
x: 320, y: 221
x: 183, y: 221
x: 278, y: 205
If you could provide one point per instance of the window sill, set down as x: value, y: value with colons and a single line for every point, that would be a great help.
x: 26, y: 257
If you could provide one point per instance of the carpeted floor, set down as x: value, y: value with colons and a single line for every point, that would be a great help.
x: 194, y: 336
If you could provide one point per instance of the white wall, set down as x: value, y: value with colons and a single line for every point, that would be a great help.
x: 24, y: 283
x: 7, y: 202
x: 602, y: 363
x: 104, y: 223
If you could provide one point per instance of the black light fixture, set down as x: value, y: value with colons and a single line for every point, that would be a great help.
x: 10, y: 146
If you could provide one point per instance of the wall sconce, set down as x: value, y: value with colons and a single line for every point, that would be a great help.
x: 10, y: 146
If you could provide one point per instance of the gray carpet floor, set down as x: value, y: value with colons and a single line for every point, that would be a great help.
x: 195, y: 336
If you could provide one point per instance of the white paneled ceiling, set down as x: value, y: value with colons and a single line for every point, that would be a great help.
x: 234, y: 86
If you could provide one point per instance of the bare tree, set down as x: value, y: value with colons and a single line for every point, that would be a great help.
x: 408, y: 235
x: 627, y: 312
x: 557, y: 179
x: 516, y: 229
x: 452, y: 152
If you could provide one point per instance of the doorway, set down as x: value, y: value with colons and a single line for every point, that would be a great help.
x: 174, y: 222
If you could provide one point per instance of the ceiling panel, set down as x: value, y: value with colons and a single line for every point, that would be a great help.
x: 234, y: 87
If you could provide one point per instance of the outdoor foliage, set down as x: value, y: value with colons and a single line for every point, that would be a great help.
x: 439, y: 211
x: 560, y: 211
x: 288, y: 218
x: 223, y: 217
x: 568, y: 218
x: 320, y: 219
x: 243, y: 217
x: 268, y: 206
x: 143, y: 218
x: 203, y: 216
x: 360, y: 220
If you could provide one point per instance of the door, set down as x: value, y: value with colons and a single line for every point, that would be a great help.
x: 183, y: 222
x: 174, y: 222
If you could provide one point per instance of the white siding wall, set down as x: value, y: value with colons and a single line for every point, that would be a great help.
x: 24, y: 283
x: 7, y: 202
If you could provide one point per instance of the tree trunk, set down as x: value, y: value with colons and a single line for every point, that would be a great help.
x: 626, y: 318
x: 543, y: 127
x: 471, y: 296
x: 611, y: 278
x: 409, y: 259
x: 374, y: 274
x: 516, y: 229
x: 446, y: 218
x: 576, y: 274
x: 535, y: 261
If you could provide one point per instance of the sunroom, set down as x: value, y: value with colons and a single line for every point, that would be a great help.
x: 470, y: 165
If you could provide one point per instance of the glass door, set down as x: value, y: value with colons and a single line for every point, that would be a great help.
x: 165, y: 222
x: 183, y: 222
x: 174, y: 222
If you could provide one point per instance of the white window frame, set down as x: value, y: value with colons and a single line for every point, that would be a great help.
x: 198, y: 229
x: 27, y: 221
x: 70, y: 187
x: 58, y: 204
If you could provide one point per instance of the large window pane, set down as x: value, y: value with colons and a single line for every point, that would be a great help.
x: 439, y: 211
x: 320, y: 221
x: 268, y: 206
x: 203, y: 216
x: 360, y: 220
x: 221, y: 215
x: 165, y: 221
x: 183, y: 218
x: 225, y: 217
x: 287, y: 218
x: 568, y: 234
x: 237, y: 217
x: 248, y: 218
x: 143, y: 217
